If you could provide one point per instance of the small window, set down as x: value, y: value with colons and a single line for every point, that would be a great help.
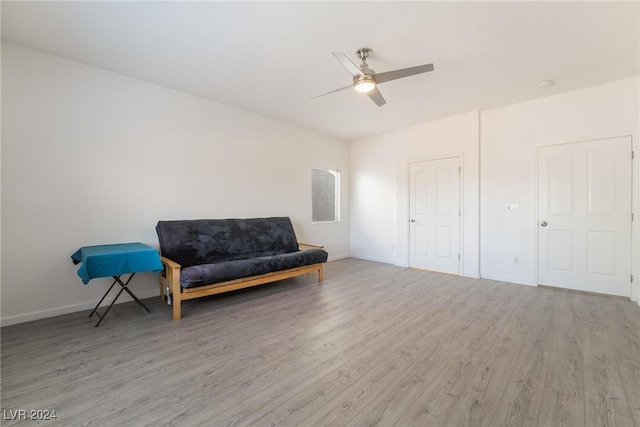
x: 325, y: 195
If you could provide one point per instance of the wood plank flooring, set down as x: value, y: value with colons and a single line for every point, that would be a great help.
x: 372, y: 345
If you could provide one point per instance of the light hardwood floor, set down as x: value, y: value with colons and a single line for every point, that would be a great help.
x: 372, y: 345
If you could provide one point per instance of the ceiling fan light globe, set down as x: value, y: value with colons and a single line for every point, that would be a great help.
x: 364, y: 86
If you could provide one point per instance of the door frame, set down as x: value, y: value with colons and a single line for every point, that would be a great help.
x: 407, y: 219
x: 536, y: 198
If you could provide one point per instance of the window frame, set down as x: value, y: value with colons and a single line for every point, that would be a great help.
x: 336, y: 173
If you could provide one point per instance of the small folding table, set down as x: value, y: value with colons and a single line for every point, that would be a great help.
x: 114, y: 261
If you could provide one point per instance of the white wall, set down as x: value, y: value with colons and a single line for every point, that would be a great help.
x: 373, y: 200
x: 509, y: 140
x: 382, y: 201
x: 92, y: 157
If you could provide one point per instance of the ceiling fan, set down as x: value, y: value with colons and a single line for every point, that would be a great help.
x: 365, y: 80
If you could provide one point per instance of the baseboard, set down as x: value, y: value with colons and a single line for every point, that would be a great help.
x: 337, y: 257
x: 510, y: 279
x: 43, y: 314
x: 375, y: 259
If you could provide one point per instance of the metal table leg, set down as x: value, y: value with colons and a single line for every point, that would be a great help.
x: 124, y: 287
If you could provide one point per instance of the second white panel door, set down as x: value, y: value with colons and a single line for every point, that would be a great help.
x: 584, y: 200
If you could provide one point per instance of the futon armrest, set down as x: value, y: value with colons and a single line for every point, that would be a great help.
x: 303, y: 246
x: 170, y: 284
x: 170, y: 277
x: 168, y: 263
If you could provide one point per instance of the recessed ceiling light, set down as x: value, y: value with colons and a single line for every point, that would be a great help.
x: 545, y: 83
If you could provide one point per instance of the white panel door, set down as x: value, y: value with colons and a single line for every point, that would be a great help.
x: 434, y: 209
x: 584, y: 217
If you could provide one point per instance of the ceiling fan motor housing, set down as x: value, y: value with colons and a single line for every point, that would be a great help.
x: 366, y: 78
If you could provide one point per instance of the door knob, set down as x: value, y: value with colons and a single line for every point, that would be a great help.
x: 413, y: 220
x: 543, y: 223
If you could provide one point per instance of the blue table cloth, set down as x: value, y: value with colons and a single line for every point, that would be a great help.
x: 115, y: 260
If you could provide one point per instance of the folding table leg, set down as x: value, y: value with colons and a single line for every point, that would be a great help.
x: 134, y: 297
x: 95, y: 309
x: 124, y: 287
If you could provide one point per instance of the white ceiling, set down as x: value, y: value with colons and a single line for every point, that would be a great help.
x: 271, y: 57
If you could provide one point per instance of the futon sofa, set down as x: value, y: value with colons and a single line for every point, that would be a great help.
x: 210, y: 256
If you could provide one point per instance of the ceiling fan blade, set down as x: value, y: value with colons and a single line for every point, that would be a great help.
x: 376, y: 97
x: 335, y: 90
x: 404, y: 72
x: 350, y: 66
